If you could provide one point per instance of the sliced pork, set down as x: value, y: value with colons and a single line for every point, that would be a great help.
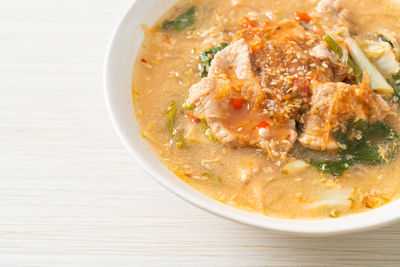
x: 332, y: 105
x: 230, y: 100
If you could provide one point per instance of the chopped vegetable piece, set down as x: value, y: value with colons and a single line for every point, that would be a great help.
x: 386, y: 37
x: 171, y: 117
x: 177, y: 136
x: 208, y: 56
x: 375, y: 144
x: 192, y: 117
x: 193, y: 133
x: 302, y: 16
x: 237, y: 102
x: 363, y: 143
x: 207, y: 130
x: 382, y: 55
x: 395, y: 83
x: 333, y: 197
x: 295, y: 166
x: 339, y: 51
x: 263, y: 124
x: 336, y: 168
x: 387, y: 64
x: 373, y: 49
x: 212, y: 176
x: 182, y: 22
x: 383, y: 38
x: 180, y: 140
x: 377, y: 82
x: 186, y: 105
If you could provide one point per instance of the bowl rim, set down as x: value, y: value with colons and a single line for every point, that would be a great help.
x: 319, y: 227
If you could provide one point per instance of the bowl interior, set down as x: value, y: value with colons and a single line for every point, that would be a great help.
x: 118, y: 69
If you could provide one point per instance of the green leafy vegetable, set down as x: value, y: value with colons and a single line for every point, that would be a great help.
x: 170, y: 116
x: 336, y: 168
x: 363, y: 143
x: 182, y: 22
x: 339, y: 51
x: 394, y: 81
x: 208, y: 56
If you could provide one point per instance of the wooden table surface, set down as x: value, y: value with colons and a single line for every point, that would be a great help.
x: 70, y: 193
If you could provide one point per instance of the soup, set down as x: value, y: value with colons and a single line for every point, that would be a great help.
x: 284, y: 108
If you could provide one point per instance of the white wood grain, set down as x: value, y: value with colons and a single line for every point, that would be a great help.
x: 71, y: 195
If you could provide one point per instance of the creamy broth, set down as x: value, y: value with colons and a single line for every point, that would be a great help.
x: 244, y: 177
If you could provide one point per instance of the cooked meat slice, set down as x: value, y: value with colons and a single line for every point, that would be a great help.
x: 323, y: 53
x: 230, y: 74
x: 230, y: 100
x: 285, y: 65
x: 332, y: 105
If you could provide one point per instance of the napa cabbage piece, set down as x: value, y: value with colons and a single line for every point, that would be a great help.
x: 391, y: 40
x: 382, y: 55
x: 387, y: 64
x: 377, y: 81
x: 361, y: 143
x: 373, y: 49
x: 334, y: 197
x: 295, y: 166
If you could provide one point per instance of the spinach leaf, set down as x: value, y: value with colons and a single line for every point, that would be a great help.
x: 208, y: 56
x: 372, y: 144
x: 363, y: 143
x: 182, y: 22
x: 336, y: 168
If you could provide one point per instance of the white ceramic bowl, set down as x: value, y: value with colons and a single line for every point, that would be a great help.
x: 119, y: 63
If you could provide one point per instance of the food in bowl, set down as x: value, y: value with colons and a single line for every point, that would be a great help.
x: 285, y: 108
